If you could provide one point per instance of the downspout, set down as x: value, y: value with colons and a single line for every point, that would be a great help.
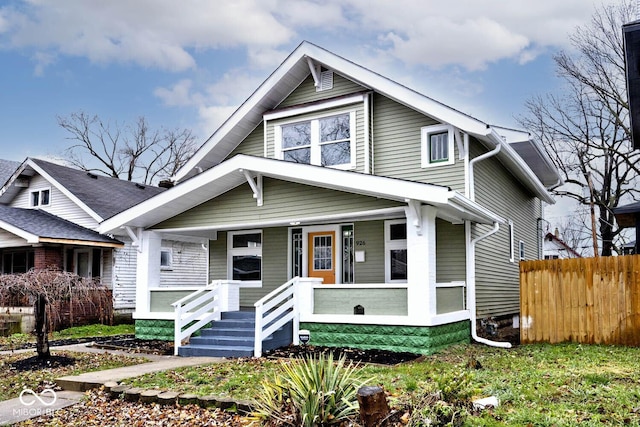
x: 471, y: 285
x: 471, y: 253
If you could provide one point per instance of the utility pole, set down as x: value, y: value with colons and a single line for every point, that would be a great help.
x: 594, y: 234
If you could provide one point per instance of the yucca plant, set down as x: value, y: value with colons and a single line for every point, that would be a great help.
x: 310, y: 392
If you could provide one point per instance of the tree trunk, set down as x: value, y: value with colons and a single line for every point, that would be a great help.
x: 42, y: 338
x: 373, y: 405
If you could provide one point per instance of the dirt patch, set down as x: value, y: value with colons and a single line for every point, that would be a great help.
x: 34, y: 363
x: 381, y: 357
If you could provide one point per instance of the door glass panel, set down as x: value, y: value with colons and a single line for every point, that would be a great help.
x: 82, y: 264
x: 322, y: 251
x: 296, y: 255
x: 347, y: 254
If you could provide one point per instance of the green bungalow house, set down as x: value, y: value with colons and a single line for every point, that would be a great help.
x: 339, y: 202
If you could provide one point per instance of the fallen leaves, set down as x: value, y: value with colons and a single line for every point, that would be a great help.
x: 98, y: 410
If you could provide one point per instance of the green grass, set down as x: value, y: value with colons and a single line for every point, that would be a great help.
x: 537, y: 385
x: 69, y: 333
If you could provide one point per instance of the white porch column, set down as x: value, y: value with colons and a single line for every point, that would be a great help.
x: 421, y: 262
x: 148, y: 269
x: 230, y: 295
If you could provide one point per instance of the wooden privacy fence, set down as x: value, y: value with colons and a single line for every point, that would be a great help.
x: 584, y: 300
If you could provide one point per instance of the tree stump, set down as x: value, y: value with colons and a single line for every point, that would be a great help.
x: 168, y: 398
x: 187, y: 399
x: 132, y: 394
x: 373, y: 405
x: 117, y: 391
x: 150, y: 396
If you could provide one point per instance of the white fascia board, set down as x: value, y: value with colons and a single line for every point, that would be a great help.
x: 247, y: 106
x: 29, y: 237
x: 473, y: 209
x: 64, y: 191
x: 520, y: 168
x: 12, y: 179
x: 316, y: 107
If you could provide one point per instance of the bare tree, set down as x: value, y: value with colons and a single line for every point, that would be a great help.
x: 47, y: 289
x: 585, y: 129
x: 132, y: 152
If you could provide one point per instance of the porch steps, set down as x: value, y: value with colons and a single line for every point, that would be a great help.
x: 232, y: 336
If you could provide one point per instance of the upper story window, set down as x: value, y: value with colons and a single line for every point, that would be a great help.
x: 437, y: 145
x: 322, y: 141
x: 40, y: 198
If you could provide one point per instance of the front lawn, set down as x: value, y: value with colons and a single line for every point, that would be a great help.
x: 13, y: 381
x: 87, y: 331
x: 537, y: 385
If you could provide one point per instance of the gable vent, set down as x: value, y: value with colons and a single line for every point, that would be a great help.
x: 326, y: 81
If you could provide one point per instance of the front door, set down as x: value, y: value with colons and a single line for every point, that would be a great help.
x: 322, y: 250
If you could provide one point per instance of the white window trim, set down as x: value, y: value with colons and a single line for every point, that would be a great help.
x: 511, y: 242
x: 39, y: 191
x: 424, y: 145
x: 388, y: 246
x: 521, y: 249
x: 170, y: 252
x: 315, y: 137
x: 231, y: 252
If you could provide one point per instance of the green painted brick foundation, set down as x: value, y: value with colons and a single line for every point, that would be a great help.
x: 148, y: 329
x: 413, y: 339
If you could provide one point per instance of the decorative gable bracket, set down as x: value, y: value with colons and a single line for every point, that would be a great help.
x: 135, y: 236
x: 315, y: 71
x: 256, y: 186
x: 461, y: 140
x: 416, y: 215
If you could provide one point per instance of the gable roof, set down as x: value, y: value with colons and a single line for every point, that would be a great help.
x: 99, y: 196
x: 295, y: 69
x: 626, y: 214
x: 550, y: 237
x: 38, y: 226
x: 7, y: 168
x: 231, y: 173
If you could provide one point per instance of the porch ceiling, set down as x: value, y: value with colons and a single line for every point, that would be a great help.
x: 231, y: 173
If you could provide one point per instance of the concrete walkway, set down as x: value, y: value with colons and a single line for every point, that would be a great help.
x: 32, y: 405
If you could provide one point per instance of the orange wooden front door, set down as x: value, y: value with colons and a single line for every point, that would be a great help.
x: 322, y: 255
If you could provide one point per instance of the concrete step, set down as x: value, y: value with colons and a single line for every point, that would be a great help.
x: 222, y: 340
x: 227, y: 332
x: 238, y: 315
x: 216, y: 351
x: 233, y: 323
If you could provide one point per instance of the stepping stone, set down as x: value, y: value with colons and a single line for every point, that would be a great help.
x: 109, y: 385
x: 207, y: 401
x: 149, y: 396
x: 132, y: 394
x: 167, y: 398
x: 187, y: 399
x: 225, y: 403
x: 117, y: 391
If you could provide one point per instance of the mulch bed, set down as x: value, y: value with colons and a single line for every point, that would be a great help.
x: 34, y: 363
x: 380, y: 357
x: 136, y: 345
x: 67, y: 341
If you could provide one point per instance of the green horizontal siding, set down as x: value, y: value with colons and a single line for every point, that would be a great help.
x: 282, y: 201
x: 306, y: 92
x: 396, y: 139
x: 161, y: 300
x: 369, y: 237
x: 450, y: 252
x: 392, y: 302
x: 253, y: 144
x: 449, y: 299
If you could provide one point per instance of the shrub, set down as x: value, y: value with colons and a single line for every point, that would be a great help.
x: 310, y: 392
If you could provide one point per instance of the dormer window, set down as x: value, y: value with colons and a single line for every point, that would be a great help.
x: 322, y: 141
x: 437, y: 145
x: 40, y: 198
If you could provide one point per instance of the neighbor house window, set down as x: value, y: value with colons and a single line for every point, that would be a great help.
x: 166, y: 259
x: 40, y: 197
x: 17, y: 262
x: 245, y: 256
x: 395, y: 247
x: 324, y: 141
x: 521, y: 247
x: 437, y: 145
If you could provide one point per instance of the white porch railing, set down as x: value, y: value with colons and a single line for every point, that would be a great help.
x: 275, y: 310
x: 201, y: 307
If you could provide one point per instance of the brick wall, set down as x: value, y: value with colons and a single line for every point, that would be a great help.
x: 46, y: 257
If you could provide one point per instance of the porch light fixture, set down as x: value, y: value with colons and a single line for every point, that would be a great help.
x: 304, y: 336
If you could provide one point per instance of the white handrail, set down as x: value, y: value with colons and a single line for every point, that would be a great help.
x: 207, y: 309
x: 280, y: 307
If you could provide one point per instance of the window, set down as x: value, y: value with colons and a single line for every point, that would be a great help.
x: 395, y: 251
x: 18, y: 261
x: 348, y: 254
x: 437, y: 145
x: 511, y: 248
x: 521, y: 247
x: 245, y: 256
x: 166, y: 258
x: 296, y: 252
x: 325, y: 141
x: 40, y: 198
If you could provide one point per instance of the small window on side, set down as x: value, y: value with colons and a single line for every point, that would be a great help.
x: 166, y: 260
x: 521, y: 247
x: 437, y: 147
